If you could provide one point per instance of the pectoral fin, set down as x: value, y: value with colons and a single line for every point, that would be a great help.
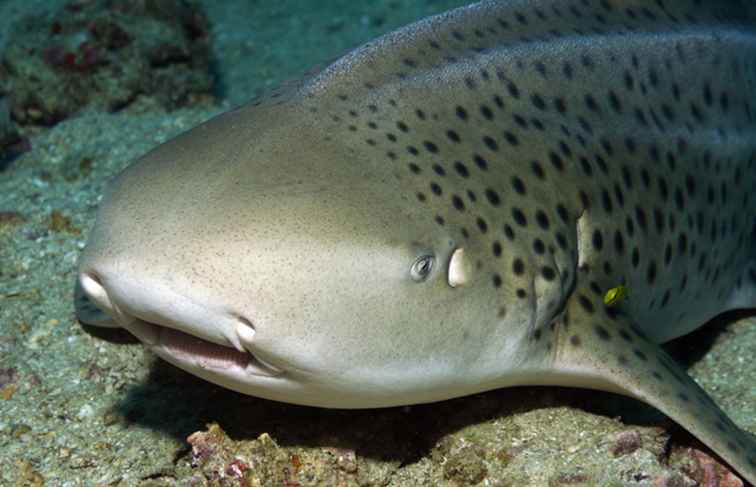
x: 601, y: 348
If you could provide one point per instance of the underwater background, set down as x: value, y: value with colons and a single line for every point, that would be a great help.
x: 90, y: 85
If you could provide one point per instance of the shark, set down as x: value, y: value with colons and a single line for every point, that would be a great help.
x: 509, y: 193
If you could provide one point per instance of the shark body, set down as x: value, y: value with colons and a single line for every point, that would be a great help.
x: 443, y: 210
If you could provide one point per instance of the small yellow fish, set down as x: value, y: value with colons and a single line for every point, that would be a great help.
x: 614, y: 295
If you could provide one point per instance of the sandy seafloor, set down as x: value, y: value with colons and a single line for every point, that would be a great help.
x: 89, y: 407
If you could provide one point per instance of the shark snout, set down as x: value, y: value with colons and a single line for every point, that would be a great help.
x: 94, y: 290
x: 134, y: 302
x: 184, y: 329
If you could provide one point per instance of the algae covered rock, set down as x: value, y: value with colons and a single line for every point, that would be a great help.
x: 106, y: 54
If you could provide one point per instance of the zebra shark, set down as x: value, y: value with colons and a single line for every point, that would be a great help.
x: 513, y: 192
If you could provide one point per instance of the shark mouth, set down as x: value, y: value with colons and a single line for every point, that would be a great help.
x: 222, y: 357
x: 186, y: 350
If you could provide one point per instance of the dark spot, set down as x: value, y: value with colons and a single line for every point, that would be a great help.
x: 651, y: 272
x: 679, y: 199
x: 548, y: 273
x: 667, y: 254
x: 496, y: 280
x: 491, y: 143
x: 584, y: 199
x: 513, y: 90
x: 537, y: 169
x: 518, y: 185
x: 461, y: 169
x: 598, y: 240
x: 519, y: 217
x: 567, y: 70
x: 562, y: 212
x: 606, y: 201
x: 614, y: 101
x: 560, y: 105
x: 538, y: 246
x: 486, y: 112
x: 493, y: 197
x: 575, y: 340
x: 458, y: 203
x: 602, y: 332
x: 496, y: 247
x: 640, y: 217
x: 590, y: 102
x: 518, y: 266
x: 556, y: 161
x: 619, y: 242
x: 618, y: 195
x: 480, y: 162
x: 561, y: 240
x: 482, y: 225
x: 509, y: 232
x: 586, y: 304
x: 690, y: 184
x: 682, y: 243
x: 595, y: 288
x: 537, y: 101
x: 658, y: 220
x: 542, y: 220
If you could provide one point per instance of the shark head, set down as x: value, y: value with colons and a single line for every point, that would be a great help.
x: 255, y: 253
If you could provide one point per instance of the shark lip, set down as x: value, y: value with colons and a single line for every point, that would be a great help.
x: 186, y: 349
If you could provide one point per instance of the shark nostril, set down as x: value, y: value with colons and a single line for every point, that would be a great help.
x: 92, y: 286
x: 245, y: 331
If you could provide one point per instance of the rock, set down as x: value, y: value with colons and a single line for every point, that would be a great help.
x: 106, y: 55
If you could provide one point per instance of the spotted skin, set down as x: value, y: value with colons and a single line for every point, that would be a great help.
x: 567, y: 147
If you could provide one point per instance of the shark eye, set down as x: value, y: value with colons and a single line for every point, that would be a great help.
x: 422, y: 268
